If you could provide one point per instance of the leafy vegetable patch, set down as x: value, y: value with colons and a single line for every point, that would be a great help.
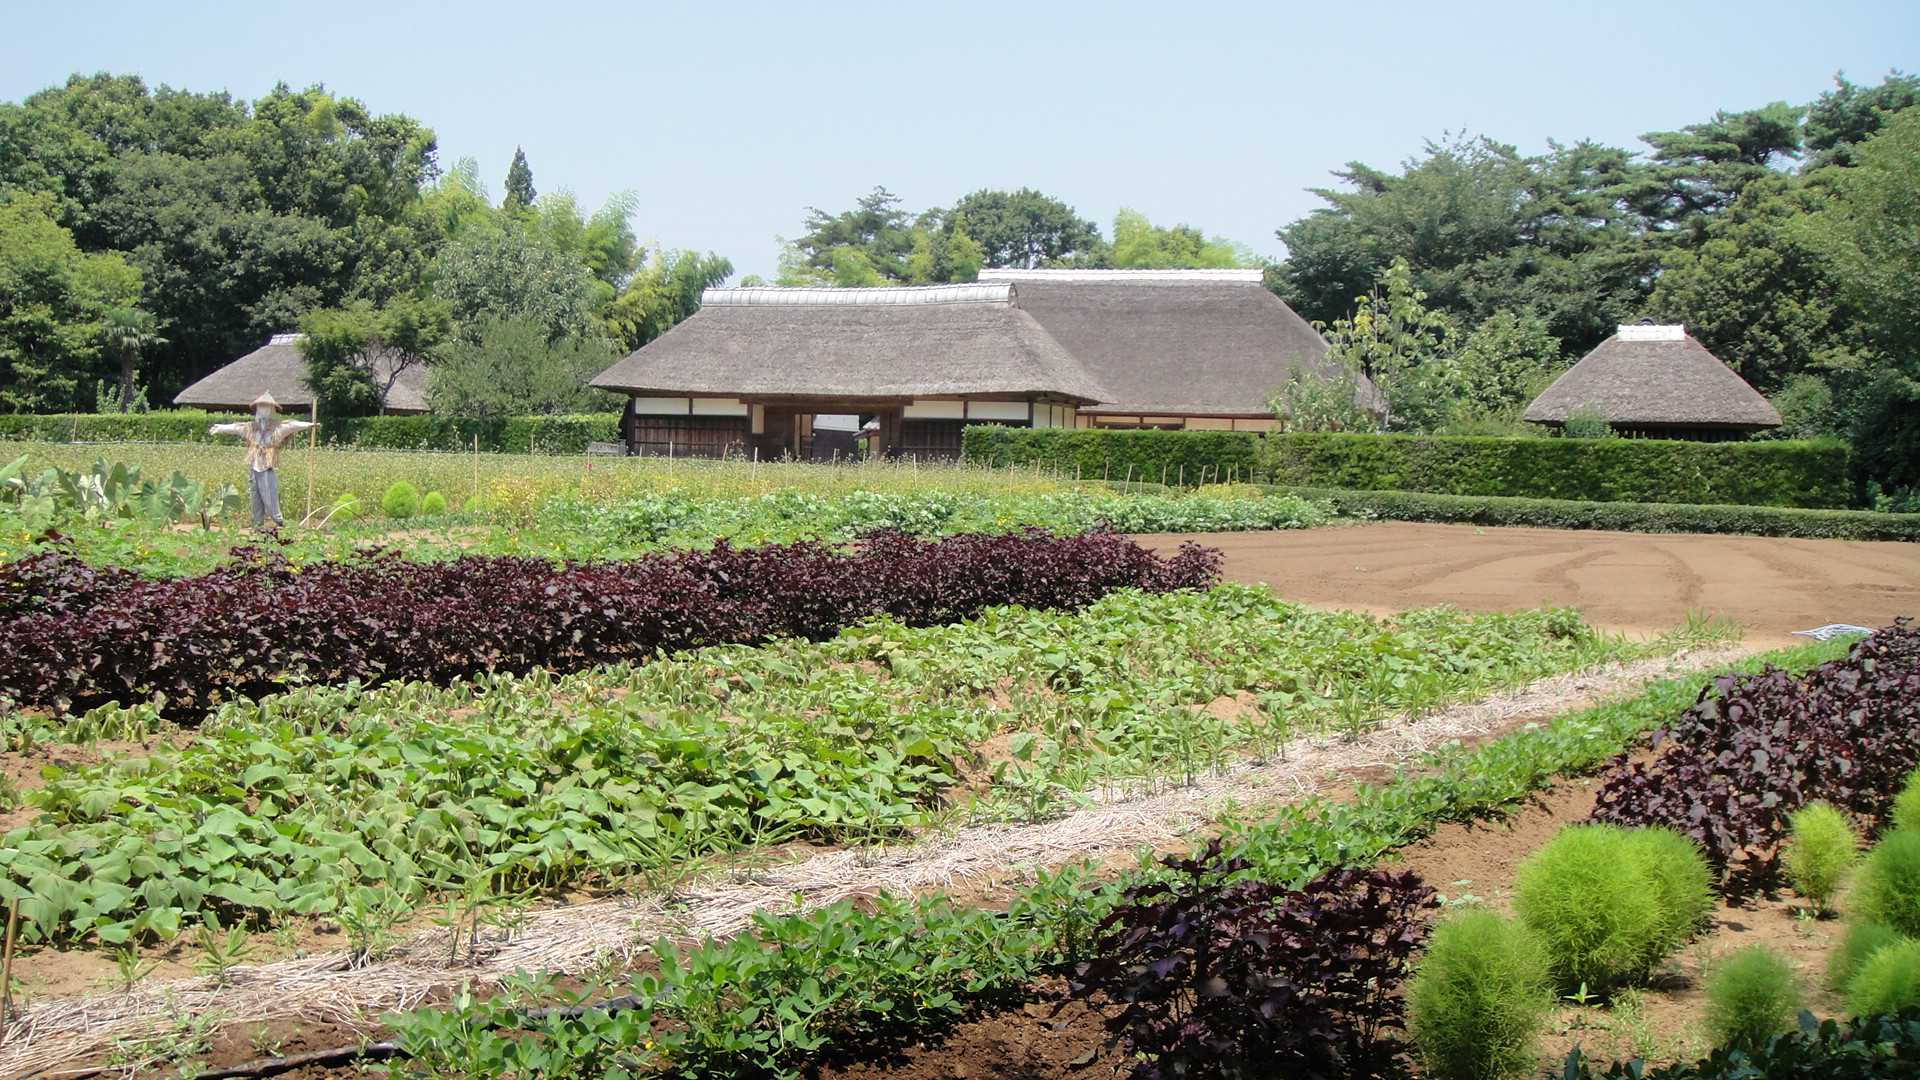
x: 1755, y: 748
x: 260, y: 624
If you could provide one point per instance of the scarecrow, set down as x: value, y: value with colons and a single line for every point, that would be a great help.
x: 264, y: 435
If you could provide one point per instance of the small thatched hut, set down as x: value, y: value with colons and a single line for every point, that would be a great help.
x: 752, y: 368
x: 1657, y: 382
x: 1177, y: 348
x: 277, y: 368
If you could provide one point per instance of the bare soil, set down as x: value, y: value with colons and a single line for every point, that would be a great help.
x: 1634, y: 583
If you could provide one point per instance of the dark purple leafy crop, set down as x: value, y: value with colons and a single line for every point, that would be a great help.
x: 72, y: 637
x: 1755, y: 748
x: 1224, y: 978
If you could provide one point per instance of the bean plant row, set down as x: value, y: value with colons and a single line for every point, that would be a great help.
x: 800, y: 984
x: 329, y: 800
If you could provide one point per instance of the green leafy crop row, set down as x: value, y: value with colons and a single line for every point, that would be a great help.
x: 742, y: 1007
x: 292, y: 803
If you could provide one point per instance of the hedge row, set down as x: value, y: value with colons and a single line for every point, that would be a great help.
x: 1188, y: 458
x: 1617, y: 516
x: 511, y: 434
x: 1805, y: 474
x: 174, y: 425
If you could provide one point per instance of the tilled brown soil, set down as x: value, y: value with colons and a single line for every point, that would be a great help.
x: 1629, y: 582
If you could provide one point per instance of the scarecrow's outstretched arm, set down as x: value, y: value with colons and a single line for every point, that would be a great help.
x: 226, y: 429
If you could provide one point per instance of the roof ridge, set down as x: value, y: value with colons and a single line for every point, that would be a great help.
x: 1197, y: 275
x: 884, y: 296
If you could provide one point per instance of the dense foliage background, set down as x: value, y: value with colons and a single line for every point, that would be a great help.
x: 149, y: 235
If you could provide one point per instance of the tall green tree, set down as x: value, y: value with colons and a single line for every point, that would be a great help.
x: 513, y: 369
x: 1848, y: 115
x: 1482, y: 230
x: 55, y: 301
x: 1140, y: 244
x: 126, y: 331
x: 520, y: 193
x: 603, y: 241
x: 943, y: 255
x: 1755, y: 291
x: 503, y: 274
x: 1868, y: 228
x: 1026, y: 229
x: 1498, y: 368
x: 341, y: 343
x: 877, y: 230
x: 1703, y: 168
x: 665, y: 291
x: 1401, y: 346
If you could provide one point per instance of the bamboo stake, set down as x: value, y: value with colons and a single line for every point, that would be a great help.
x: 472, y: 499
x: 6, y: 967
x: 313, y: 436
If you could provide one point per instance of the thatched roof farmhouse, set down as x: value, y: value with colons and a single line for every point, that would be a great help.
x: 277, y: 368
x: 1657, y: 381
x: 1173, y: 346
x: 752, y: 369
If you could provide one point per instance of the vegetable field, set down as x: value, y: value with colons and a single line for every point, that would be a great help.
x: 589, y: 694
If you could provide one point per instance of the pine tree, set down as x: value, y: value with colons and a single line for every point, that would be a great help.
x: 520, y: 193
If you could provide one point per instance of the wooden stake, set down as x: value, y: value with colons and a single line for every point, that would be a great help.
x: 476, y: 471
x: 313, y: 436
x: 6, y: 967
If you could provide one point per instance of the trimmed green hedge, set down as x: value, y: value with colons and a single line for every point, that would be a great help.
x: 509, y: 434
x: 512, y: 434
x: 1618, y: 516
x: 174, y: 425
x: 1187, y: 458
x: 1804, y: 474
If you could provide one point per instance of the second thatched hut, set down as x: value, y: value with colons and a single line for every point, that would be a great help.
x: 1657, y: 382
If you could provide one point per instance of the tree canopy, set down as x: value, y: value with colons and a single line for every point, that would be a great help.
x: 230, y: 220
x: 1782, y: 236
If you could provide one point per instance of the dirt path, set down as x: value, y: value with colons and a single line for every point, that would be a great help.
x: 1632, y: 582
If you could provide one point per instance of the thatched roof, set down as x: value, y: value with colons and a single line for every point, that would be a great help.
x: 924, y: 341
x: 1196, y: 342
x: 277, y: 368
x: 1655, y: 376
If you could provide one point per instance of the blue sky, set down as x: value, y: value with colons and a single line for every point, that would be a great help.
x: 729, y: 120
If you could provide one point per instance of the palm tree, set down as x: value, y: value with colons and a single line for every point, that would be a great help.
x: 129, y: 329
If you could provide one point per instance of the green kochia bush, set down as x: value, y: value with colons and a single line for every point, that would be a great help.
x: 1861, y: 941
x: 1906, y: 805
x: 1888, y: 982
x: 1887, y: 890
x: 434, y: 504
x: 1806, y: 474
x: 1609, y: 902
x: 400, y: 501
x: 1478, y: 998
x: 1750, y: 996
x: 1821, y: 847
